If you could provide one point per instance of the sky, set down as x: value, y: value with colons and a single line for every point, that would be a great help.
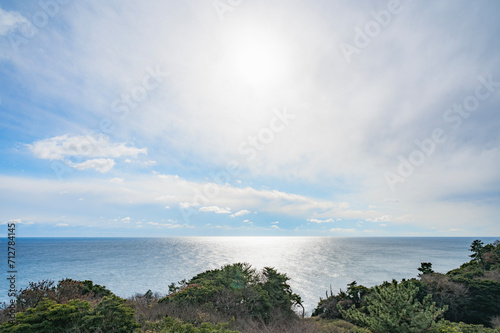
x: 254, y: 118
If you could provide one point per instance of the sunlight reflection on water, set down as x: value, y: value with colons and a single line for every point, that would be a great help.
x: 130, y: 265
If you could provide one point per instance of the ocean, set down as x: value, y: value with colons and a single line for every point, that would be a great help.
x: 314, y: 264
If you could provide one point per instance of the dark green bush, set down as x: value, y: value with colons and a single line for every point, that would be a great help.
x: 238, y: 291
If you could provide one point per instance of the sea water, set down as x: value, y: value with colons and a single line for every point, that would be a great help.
x: 314, y: 264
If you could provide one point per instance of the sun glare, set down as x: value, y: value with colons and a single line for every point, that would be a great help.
x: 258, y: 58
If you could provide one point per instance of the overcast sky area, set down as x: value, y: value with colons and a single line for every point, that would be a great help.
x: 256, y: 118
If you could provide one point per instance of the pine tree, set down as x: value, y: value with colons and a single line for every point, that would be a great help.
x: 394, y: 308
x: 477, y: 249
x: 425, y: 268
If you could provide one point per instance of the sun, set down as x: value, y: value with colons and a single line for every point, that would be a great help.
x: 258, y: 57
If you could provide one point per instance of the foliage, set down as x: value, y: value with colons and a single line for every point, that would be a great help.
x: 477, y: 249
x: 239, y: 298
x: 171, y: 325
x: 480, y: 277
x: 450, y: 327
x: 444, y: 291
x: 395, y: 308
x: 495, y: 322
x: 327, y: 308
x: 49, y: 317
x: 238, y: 290
x: 335, y: 326
x: 109, y: 315
x: 483, y: 301
x: 425, y: 268
x: 65, y: 290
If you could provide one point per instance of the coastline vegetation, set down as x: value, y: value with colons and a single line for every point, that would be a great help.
x: 239, y: 298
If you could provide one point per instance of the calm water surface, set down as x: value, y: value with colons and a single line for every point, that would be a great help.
x: 134, y: 265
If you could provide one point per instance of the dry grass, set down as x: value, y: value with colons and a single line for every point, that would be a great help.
x: 491, y: 275
x: 151, y: 310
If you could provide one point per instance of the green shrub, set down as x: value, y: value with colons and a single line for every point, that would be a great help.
x: 450, y: 327
x: 394, y: 308
x: 49, y: 317
x: 75, y: 316
x: 171, y: 325
x: 238, y: 291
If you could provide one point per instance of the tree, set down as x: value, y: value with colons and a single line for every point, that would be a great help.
x: 394, y: 308
x: 110, y: 315
x: 37, y: 291
x: 425, y: 268
x: 356, y: 293
x: 476, y: 248
x: 238, y: 290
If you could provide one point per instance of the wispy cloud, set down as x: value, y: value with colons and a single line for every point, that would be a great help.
x: 67, y: 148
x: 342, y: 230
x: 102, y: 165
x: 214, y: 110
x: 17, y: 221
x: 215, y: 209
x: 240, y: 213
x: 10, y: 21
x: 57, y: 148
x: 383, y: 218
x: 321, y: 221
x: 173, y: 225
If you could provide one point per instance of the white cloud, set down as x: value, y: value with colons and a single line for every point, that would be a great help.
x: 383, y: 218
x: 167, y: 198
x: 10, y: 21
x: 126, y: 219
x: 185, y: 205
x: 146, y: 189
x: 102, y: 165
x: 275, y: 226
x: 276, y: 222
x: 240, y: 213
x: 116, y: 180
x: 17, y: 221
x: 62, y: 225
x: 365, y: 127
x: 321, y: 221
x: 144, y: 164
x: 173, y: 225
x: 342, y: 230
x: 60, y: 147
x: 215, y: 209
x: 66, y: 147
